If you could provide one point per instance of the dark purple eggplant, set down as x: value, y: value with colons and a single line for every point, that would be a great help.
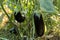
x: 14, y: 31
x: 39, y: 24
x: 18, y: 17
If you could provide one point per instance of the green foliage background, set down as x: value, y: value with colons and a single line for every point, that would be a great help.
x: 50, y: 10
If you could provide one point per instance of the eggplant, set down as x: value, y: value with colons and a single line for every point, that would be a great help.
x: 39, y: 24
x: 14, y: 30
x: 18, y: 17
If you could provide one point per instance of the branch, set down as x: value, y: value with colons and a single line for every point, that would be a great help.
x: 6, y: 14
x: 5, y: 11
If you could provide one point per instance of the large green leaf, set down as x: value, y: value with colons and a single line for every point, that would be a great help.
x: 47, y: 6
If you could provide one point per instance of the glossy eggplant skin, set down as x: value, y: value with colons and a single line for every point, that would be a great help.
x: 39, y: 24
x: 18, y: 17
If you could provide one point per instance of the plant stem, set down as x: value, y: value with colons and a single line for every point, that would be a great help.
x: 5, y: 12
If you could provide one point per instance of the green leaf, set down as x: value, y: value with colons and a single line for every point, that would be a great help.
x: 47, y: 6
